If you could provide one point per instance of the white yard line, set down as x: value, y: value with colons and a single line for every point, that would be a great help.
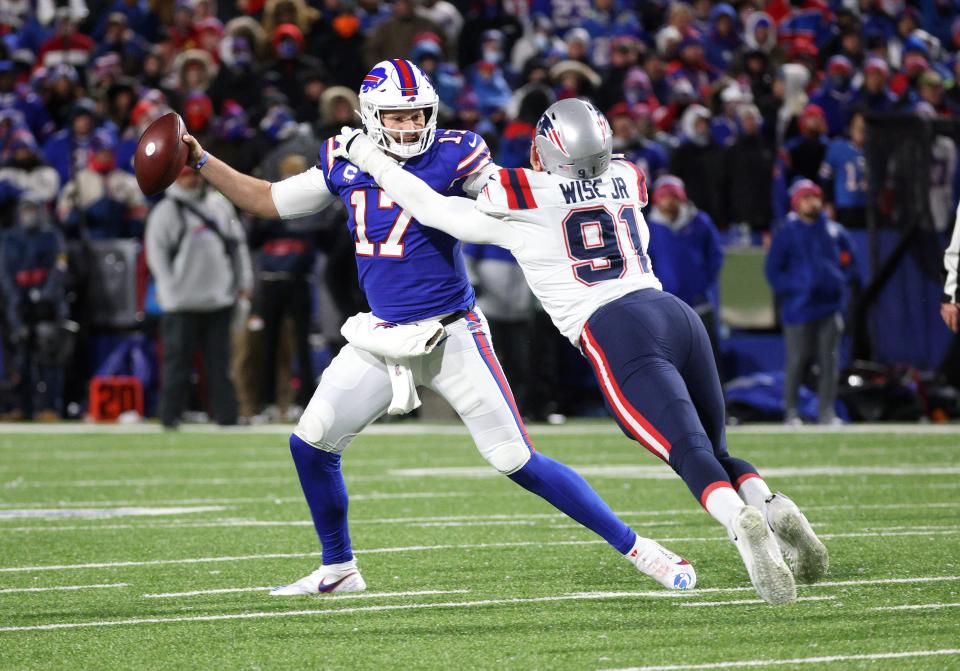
x: 518, y: 519
x: 62, y: 588
x: 102, y: 513
x: 752, y: 663
x: 630, y: 471
x: 585, y: 596
x: 373, y: 496
x: 331, y: 597
x: 747, y: 602
x: 668, y: 594
x: 919, y: 606
x: 424, y: 548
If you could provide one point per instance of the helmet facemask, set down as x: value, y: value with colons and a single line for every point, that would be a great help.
x: 400, y: 143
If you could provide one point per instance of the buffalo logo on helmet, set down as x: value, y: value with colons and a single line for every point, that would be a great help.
x: 373, y: 79
x: 546, y: 128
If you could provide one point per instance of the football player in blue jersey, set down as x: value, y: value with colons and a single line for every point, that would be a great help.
x: 424, y: 329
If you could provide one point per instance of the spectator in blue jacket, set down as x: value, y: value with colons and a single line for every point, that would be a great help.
x: 811, y: 267
x: 836, y: 97
x: 685, y: 250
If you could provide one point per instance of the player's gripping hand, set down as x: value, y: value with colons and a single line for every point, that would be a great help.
x: 353, y: 145
x: 196, y: 151
x: 950, y: 312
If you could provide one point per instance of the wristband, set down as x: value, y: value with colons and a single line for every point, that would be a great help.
x: 202, y: 162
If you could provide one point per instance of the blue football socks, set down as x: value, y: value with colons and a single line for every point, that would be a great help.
x: 570, y: 493
x: 326, y: 494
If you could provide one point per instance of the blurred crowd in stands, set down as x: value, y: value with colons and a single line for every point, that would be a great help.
x: 724, y: 106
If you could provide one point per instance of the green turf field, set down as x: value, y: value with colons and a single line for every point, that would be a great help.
x: 153, y: 551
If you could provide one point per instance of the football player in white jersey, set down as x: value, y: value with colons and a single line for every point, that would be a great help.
x: 574, y: 225
x: 424, y: 329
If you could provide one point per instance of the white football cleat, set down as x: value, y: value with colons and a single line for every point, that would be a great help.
x: 769, y: 574
x: 804, y: 553
x: 343, y: 577
x: 667, y: 568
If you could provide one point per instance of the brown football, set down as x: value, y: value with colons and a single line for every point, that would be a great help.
x: 161, y: 154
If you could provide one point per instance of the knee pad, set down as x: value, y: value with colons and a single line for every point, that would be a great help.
x: 314, y: 426
x: 508, y: 457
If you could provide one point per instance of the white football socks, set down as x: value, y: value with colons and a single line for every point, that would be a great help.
x: 723, y: 504
x: 754, y: 491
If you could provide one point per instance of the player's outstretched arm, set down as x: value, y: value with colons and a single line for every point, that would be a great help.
x: 455, y: 216
x: 247, y: 193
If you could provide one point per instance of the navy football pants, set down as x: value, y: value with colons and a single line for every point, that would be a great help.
x: 656, y: 369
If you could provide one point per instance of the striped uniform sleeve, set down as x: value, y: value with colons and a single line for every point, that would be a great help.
x: 641, y: 180
x: 326, y: 160
x: 473, y: 163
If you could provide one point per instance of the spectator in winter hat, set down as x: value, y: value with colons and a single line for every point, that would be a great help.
x: 691, y: 64
x: 811, y: 267
x: 624, y: 56
x: 578, y: 45
x: 874, y: 95
x: 286, y: 138
x: 667, y: 40
x: 289, y: 62
x: 296, y: 12
x: 760, y: 33
x: 338, y: 106
x: 488, y: 82
x: 491, y: 46
x: 181, y: 33
x: 573, y: 79
x: 65, y: 149
x: 25, y: 175
x: 698, y: 161
x: 233, y: 138
x: 26, y: 103
x: 101, y: 199
x: 121, y: 40
x: 236, y: 78
x: 194, y: 71
x: 836, y: 96
x: 805, y: 153
x: 121, y: 96
x: 629, y: 125
x: 446, y: 78
x: 930, y: 89
x: 247, y: 28
x: 723, y: 40
x: 209, y: 31
x: 538, y: 39
x: 747, y: 170
x: 67, y: 45
x: 198, y: 113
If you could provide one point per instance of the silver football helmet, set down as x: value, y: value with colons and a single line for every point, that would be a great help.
x: 574, y: 139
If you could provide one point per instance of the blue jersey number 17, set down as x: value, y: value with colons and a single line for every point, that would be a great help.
x: 391, y: 247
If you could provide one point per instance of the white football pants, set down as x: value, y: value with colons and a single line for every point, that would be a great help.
x: 355, y: 390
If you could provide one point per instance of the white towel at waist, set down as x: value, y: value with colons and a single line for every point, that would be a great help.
x: 397, y: 344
